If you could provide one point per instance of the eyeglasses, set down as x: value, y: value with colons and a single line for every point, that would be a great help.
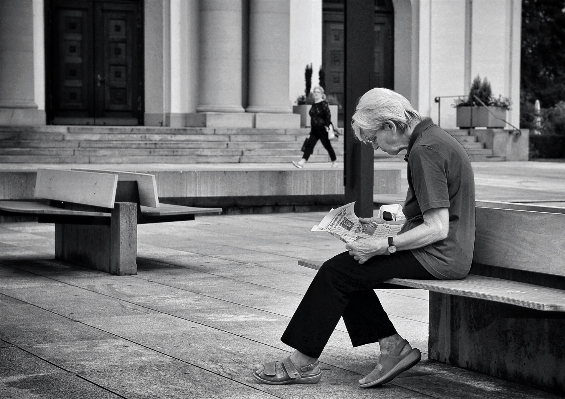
x: 371, y: 140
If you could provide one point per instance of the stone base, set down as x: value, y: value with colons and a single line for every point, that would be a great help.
x: 277, y: 121
x: 504, y: 341
x: 513, y: 146
x: 22, y: 117
x: 176, y: 120
x: 220, y: 119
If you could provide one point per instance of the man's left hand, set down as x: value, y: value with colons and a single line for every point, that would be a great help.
x: 364, y: 249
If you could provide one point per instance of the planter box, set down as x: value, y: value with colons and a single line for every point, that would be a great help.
x: 305, y: 117
x: 469, y: 117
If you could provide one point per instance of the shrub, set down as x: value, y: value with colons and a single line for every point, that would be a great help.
x: 553, y: 119
x: 547, y: 146
x: 482, y: 91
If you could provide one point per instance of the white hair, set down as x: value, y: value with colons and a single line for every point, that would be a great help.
x: 379, y: 107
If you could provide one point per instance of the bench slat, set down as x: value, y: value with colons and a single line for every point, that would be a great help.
x: 146, y: 185
x: 96, y: 189
x: 520, y: 239
x: 36, y: 208
x: 488, y: 288
x: 169, y: 209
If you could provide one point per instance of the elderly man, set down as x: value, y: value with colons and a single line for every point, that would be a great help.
x: 436, y: 242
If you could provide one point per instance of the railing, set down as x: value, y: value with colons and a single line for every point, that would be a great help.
x: 437, y: 99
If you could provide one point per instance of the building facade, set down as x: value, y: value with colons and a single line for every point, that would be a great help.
x: 238, y: 63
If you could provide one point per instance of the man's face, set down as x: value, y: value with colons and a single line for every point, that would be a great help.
x: 387, y: 139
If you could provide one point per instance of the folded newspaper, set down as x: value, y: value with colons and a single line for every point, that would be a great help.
x: 345, y: 225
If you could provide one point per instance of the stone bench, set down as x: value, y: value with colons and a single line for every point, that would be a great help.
x: 507, y: 318
x: 96, y: 214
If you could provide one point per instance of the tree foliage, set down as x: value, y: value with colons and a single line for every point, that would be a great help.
x: 543, y: 55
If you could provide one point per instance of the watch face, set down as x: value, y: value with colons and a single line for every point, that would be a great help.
x: 392, y: 249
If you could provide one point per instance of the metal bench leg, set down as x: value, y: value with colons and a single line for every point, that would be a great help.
x: 112, y: 249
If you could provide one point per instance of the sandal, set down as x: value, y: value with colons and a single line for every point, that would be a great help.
x: 392, y: 365
x: 285, y: 372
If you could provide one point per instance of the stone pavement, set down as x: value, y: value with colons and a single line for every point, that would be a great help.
x: 211, y: 299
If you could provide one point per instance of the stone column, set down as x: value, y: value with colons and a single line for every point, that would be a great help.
x: 17, y: 95
x: 221, y: 63
x: 269, y: 42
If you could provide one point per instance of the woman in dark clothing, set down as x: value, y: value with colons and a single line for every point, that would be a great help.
x: 320, y: 121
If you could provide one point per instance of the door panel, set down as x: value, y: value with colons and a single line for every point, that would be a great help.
x: 334, y: 59
x: 115, y: 75
x: 333, y: 48
x: 96, y: 62
x: 72, y: 59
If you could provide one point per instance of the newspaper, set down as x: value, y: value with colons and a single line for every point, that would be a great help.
x: 345, y: 225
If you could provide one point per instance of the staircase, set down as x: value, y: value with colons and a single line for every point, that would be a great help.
x: 138, y: 145
x: 475, y: 149
x: 141, y: 145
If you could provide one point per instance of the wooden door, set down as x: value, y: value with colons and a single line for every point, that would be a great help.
x: 384, y: 57
x: 94, y: 62
x: 333, y: 60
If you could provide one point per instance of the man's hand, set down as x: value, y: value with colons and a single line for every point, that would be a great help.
x: 364, y: 249
x: 369, y: 224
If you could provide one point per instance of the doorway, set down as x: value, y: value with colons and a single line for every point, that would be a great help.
x: 94, y: 62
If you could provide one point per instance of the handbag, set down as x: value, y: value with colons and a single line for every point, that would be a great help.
x: 304, y: 144
x: 332, y: 133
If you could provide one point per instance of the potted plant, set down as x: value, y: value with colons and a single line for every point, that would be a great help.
x: 481, y: 108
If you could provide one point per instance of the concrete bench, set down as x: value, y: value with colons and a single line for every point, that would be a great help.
x: 507, y: 318
x: 96, y: 214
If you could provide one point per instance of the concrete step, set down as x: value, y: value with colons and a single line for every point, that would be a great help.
x: 473, y: 145
x: 479, y: 151
x: 466, y: 139
x: 48, y: 159
x: 488, y: 158
x: 458, y: 132
x: 284, y: 158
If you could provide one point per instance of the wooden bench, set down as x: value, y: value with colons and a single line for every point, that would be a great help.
x: 96, y: 214
x: 507, y: 318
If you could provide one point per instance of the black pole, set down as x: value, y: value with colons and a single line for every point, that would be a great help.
x: 359, y: 78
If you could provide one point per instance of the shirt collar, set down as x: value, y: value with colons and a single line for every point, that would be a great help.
x: 416, y: 133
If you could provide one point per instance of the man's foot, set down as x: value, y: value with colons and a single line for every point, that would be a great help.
x: 400, y: 359
x: 285, y: 372
x: 298, y: 164
x: 334, y: 164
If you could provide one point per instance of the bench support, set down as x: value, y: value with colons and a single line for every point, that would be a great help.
x: 483, y: 336
x: 109, y: 248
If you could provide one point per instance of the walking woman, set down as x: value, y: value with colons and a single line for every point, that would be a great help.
x: 320, y: 121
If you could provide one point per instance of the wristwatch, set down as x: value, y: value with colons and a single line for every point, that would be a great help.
x: 391, y: 247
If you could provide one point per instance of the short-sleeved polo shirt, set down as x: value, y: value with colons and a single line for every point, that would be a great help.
x: 440, y: 176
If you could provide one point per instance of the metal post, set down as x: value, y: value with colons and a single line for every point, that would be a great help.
x: 359, y: 78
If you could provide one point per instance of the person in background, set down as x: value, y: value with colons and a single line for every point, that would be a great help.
x: 320, y: 119
x: 436, y: 242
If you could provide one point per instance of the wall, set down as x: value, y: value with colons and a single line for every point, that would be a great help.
x: 305, y: 43
x: 452, y: 42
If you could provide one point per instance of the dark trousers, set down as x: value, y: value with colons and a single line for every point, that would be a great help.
x: 318, y: 133
x: 344, y: 288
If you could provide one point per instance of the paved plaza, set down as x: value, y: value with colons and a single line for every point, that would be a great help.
x: 211, y: 299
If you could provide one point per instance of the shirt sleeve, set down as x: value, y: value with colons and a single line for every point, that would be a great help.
x: 327, y: 115
x: 429, y: 178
